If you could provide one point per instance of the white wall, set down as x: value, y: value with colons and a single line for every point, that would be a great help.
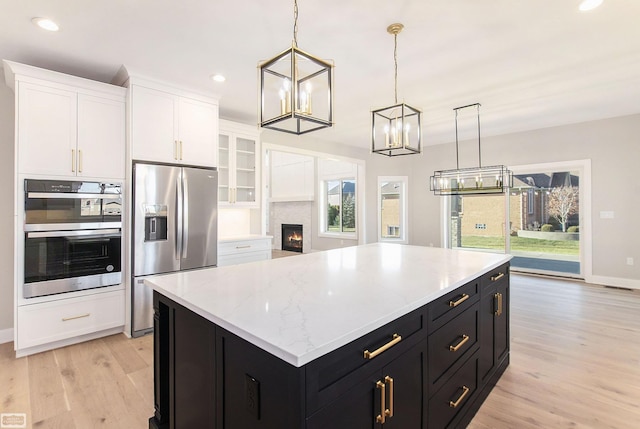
x: 6, y: 214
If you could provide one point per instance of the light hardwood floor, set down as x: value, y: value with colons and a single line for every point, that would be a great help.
x: 575, y: 363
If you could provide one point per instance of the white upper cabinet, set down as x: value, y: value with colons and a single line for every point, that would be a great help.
x: 174, y: 129
x: 101, y: 136
x: 239, y: 168
x: 65, y: 131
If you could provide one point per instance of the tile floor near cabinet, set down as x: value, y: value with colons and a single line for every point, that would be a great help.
x: 104, y: 383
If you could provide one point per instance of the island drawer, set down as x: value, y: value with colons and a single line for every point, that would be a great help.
x: 452, y: 304
x: 495, y: 276
x: 332, y: 374
x: 453, y: 397
x: 451, y: 342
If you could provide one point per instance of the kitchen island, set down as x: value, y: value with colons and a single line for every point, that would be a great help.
x: 380, y: 335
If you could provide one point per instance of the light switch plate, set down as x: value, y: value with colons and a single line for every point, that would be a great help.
x: 607, y: 215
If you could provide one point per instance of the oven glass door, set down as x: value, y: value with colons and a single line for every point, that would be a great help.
x: 64, y: 261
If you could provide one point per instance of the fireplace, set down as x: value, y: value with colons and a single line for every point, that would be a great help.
x: 292, y: 237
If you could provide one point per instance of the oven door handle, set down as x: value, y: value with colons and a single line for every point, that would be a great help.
x: 111, y: 232
x: 73, y: 195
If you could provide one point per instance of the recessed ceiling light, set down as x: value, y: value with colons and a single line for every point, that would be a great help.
x: 589, y: 5
x: 45, y: 24
x: 218, y: 78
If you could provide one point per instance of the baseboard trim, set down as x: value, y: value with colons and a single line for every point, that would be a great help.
x: 614, y: 281
x: 6, y: 335
x: 67, y: 342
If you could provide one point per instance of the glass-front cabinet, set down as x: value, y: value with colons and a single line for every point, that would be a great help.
x: 238, y: 165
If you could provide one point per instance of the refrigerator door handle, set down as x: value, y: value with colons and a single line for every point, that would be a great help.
x: 179, y: 202
x: 185, y: 214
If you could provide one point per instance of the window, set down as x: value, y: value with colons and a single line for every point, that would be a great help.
x: 392, y: 209
x: 340, y: 204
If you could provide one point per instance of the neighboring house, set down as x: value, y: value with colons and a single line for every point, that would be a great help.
x: 528, y: 206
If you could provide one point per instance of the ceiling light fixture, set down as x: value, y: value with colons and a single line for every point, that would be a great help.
x: 587, y: 5
x: 471, y: 181
x: 296, y: 89
x: 218, y: 77
x: 396, y: 129
x: 45, y: 24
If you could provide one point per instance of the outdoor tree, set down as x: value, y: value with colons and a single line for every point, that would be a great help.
x: 563, y: 202
x: 349, y: 212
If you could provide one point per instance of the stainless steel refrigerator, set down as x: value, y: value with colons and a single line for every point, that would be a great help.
x: 175, y: 223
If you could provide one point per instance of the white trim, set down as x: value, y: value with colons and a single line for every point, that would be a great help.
x: 613, y: 281
x: 6, y: 335
x: 69, y: 341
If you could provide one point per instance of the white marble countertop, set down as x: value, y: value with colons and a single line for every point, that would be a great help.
x: 301, y: 307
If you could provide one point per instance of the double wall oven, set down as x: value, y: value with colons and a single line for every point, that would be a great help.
x: 73, y: 233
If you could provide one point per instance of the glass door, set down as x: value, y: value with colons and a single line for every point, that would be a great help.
x: 245, y: 170
x: 543, y: 209
x: 545, y: 215
x: 223, y: 167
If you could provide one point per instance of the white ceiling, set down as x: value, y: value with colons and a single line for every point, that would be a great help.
x: 532, y: 64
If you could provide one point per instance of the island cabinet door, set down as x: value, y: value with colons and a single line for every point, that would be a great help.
x: 256, y: 390
x: 494, y: 322
x: 388, y: 399
x: 184, y: 366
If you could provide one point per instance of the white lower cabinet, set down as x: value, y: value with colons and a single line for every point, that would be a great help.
x: 241, y: 250
x: 53, y: 321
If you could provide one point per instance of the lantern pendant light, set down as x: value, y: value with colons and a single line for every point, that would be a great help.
x: 495, y: 179
x: 396, y: 130
x: 296, y: 90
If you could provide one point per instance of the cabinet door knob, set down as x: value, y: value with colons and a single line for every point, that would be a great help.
x: 497, y: 277
x: 389, y: 411
x: 455, y: 348
x: 498, y: 304
x: 382, y: 417
x: 460, y: 300
x: 465, y: 392
x: 395, y: 340
x: 66, y: 319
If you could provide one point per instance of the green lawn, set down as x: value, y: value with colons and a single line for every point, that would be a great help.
x: 524, y: 244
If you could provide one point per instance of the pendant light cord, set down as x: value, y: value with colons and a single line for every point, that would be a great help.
x: 295, y: 23
x: 395, y: 61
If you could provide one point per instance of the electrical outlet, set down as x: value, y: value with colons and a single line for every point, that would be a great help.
x: 252, y: 396
x: 629, y: 261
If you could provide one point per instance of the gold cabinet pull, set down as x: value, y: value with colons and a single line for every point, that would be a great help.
x: 462, y: 299
x: 73, y: 160
x: 498, y: 298
x: 243, y: 247
x: 381, y: 418
x: 455, y: 348
x: 175, y: 150
x: 79, y: 161
x: 395, y: 340
x: 389, y: 411
x: 66, y: 319
x: 180, y: 150
x: 465, y: 392
x: 497, y: 277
